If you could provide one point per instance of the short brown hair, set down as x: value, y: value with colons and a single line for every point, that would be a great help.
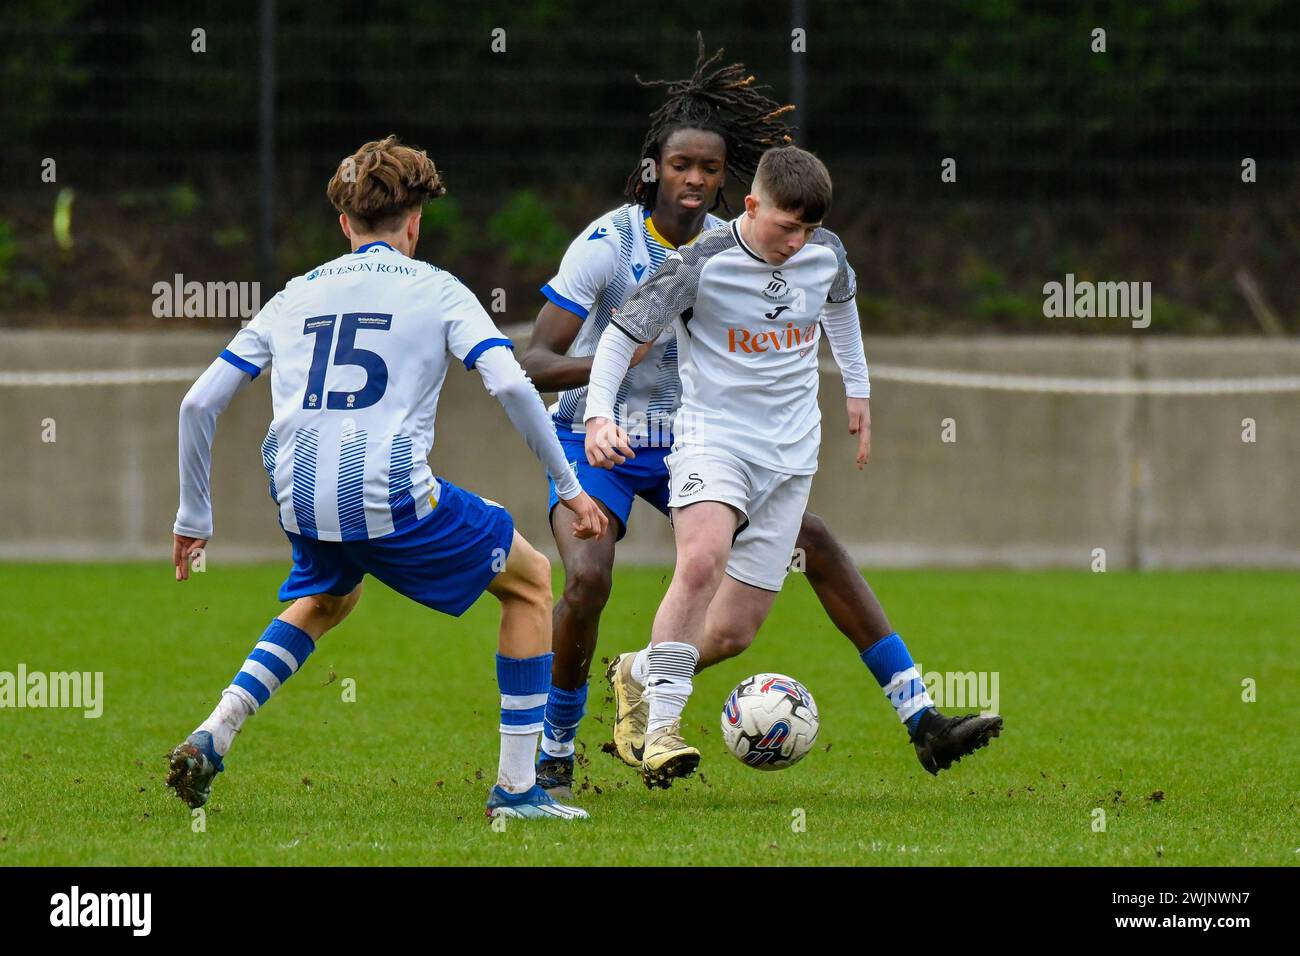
x: 383, y: 181
x: 795, y: 181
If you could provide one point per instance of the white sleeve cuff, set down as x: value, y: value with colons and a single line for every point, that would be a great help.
x: 567, y: 487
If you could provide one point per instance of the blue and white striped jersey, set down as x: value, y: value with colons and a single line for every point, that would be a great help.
x: 358, y: 350
x: 603, y: 266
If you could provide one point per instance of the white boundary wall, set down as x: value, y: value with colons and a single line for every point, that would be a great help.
x: 1063, y: 445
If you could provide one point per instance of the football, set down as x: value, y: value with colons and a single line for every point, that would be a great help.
x: 770, y: 721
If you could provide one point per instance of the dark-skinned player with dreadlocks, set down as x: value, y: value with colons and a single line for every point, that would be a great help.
x: 715, y: 121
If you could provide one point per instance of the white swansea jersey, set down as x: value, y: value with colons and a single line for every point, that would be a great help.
x: 747, y: 339
x: 608, y: 261
x: 358, y: 350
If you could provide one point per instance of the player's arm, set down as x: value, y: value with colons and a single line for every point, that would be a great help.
x: 606, y: 444
x: 643, y: 317
x: 844, y: 332
x: 248, y: 353
x: 588, y: 267
x: 473, y: 339
x: 546, y: 360
x: 840, y: 320
x: 506, y: 381
x: 203, y: 403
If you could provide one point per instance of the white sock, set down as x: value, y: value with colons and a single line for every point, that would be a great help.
x: 553, y: 748
x: 228, y: 717
x: 641, y: 666
x: 670, y: 676
x: 517, y: 770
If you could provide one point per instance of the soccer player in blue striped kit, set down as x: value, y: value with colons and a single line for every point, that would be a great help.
x: 358, y: 350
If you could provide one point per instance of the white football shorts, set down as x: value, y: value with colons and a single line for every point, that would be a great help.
x: 772, y: 503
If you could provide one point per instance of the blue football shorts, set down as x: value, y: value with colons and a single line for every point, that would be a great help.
x: 445, y: 561
x: 645, y: 476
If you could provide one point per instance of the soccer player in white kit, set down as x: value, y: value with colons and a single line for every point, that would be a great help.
x: 358, y: 350
x: 713, y: 124
x: 747, y: 302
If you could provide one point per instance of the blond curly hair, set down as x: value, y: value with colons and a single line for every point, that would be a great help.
x: 382, y: 182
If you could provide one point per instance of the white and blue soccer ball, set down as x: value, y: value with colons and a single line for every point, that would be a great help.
x: 770, y: 721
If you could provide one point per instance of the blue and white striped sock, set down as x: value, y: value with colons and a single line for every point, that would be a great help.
x: 892, y: 666
x: 278, y: 655
x: 564, y: 710
x: 524, y: 683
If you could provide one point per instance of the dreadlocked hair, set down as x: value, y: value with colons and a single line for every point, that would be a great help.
x: 722, y: 100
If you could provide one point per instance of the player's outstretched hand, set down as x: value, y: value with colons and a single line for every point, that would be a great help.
x: 183, y: 551
x: 591, y: 521
x: 607, y: 444
x: 860, y: 425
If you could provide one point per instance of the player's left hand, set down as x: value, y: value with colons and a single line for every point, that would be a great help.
x: 607, y: 445
x: 591, y: 521
x: 183, y: 551
x: 860, y: 425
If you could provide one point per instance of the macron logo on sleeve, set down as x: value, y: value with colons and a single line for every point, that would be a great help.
x: 600, y: 233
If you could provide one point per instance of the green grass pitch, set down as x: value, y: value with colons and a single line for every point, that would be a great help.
x: 1115, y: 688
